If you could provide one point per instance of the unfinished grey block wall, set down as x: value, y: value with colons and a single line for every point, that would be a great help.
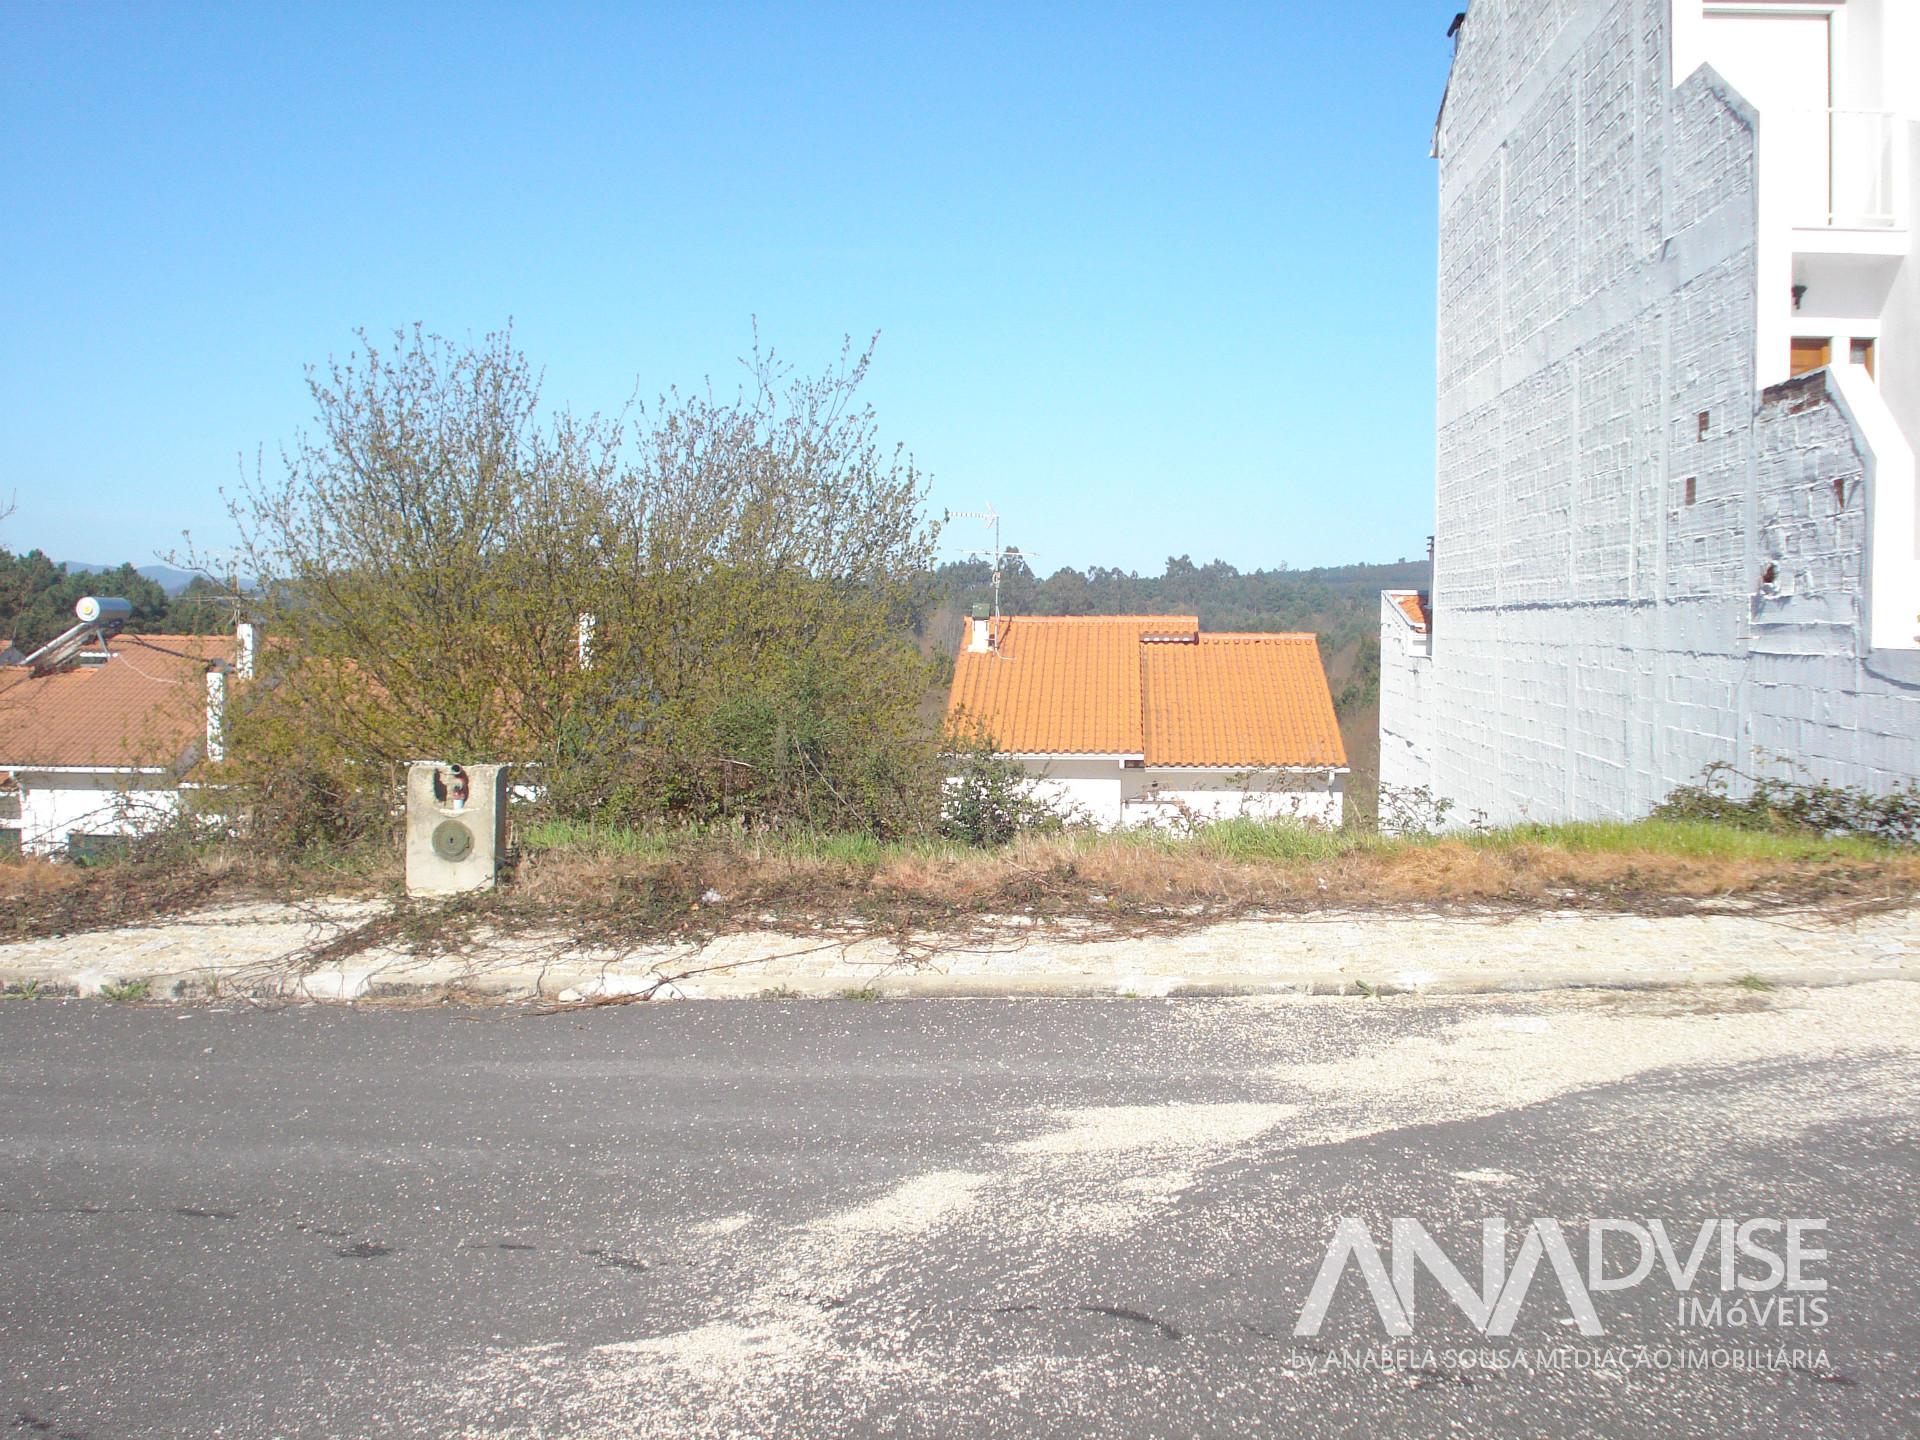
x: 1609, y: 486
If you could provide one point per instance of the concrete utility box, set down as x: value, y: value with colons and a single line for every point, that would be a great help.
x: 456, y: 826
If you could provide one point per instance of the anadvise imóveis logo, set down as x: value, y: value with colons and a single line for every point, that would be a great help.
x: 1724, y: 1272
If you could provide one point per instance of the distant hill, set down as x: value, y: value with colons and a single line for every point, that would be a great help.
x: 38, y: 596
x: 168, y: 578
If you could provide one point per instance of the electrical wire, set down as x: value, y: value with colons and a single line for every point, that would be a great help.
x: 156, y: 679
x: 142, y: 640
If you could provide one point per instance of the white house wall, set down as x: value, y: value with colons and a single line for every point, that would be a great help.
x: 1594, y: 638
x: 1110, y: 796
x: 1405, y: 677
x: 55, y: 805
x: 1899, y: 343
x: 1079, y: 789
x: 1184, y: 795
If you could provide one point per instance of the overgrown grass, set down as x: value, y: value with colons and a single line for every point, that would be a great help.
x: 619, y: 884
x: 584, y: 837
x: 1694, y: 839
x: 1144, y: 879
x: 1240, y: 840
x: 578, y: 838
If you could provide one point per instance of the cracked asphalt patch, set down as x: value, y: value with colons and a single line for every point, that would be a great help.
x: 965, y: 1217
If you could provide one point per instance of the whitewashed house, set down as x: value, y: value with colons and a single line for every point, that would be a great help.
x: 1144, y: 719
x: 1406, y: 645
x: 1679, y: 399
x: 102, y: 747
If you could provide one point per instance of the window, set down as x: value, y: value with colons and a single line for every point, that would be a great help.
x: 97, y: 849
x: 1692, y: 488
x: 1811, y: 352
x: 1860, y: 352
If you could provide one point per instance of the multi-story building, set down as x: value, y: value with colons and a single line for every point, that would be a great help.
x: 1678, y: 404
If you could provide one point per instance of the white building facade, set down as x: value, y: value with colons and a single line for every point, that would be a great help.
x: 59, y: 811
x: 1678, y: 401
x: 1113, y: 792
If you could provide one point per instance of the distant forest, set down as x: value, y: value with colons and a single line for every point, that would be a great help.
x: 1339, y: 603
x: 37, y: 597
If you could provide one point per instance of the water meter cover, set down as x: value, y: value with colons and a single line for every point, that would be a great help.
x: 452, y: 840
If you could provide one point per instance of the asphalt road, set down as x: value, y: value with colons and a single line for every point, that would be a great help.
x: 947, y: 1218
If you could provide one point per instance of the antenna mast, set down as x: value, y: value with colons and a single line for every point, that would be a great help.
x: 998, y: 556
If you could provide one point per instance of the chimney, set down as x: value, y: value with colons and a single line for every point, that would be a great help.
x: 979, y: 632
x: 216, y: 712
x: 246, y: 643
x: 584, y: 638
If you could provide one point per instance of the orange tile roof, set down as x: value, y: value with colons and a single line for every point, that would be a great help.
x: 1239, y: 700
x: 145, y: 707
x: 1060, y: 685
x: 1149, y: 685
x: 1413, y: 605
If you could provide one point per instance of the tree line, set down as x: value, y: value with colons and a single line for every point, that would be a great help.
x: 37, y: 596
x: 1340, y: 604
x: 720, y: 606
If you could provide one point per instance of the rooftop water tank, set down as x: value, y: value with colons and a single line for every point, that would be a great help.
x: 102, y: 609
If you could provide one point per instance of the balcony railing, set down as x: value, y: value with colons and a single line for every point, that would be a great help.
x: 1849, y: 169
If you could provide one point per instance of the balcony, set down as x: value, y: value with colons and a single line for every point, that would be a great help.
x: 1848, y: 171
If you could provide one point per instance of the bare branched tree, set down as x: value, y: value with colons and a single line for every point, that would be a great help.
x: 750, y: 566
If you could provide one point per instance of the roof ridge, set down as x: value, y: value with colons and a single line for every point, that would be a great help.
x: 1237, y: 699
x: 138, y: 635
x: 1258, y: 635
x: 1064, y: 619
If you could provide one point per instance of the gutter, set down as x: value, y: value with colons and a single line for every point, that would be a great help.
x: 28, y: 768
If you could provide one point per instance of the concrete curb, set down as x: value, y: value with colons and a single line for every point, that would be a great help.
x: 263, y: 953
x: 336, y: 988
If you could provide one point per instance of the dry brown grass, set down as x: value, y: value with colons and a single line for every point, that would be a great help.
x: 29, y: 880
x: 695, y: 886
x: 1439, y: 873
x: 1129, y: 888
x: 39, y: 898
x: 43, y: 898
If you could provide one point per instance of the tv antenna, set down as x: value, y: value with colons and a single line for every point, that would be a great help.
x: 997, y: 555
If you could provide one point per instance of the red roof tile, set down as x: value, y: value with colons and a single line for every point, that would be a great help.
x: 1413, y: 605
x: 145, y: 707
x: 1239, y: 701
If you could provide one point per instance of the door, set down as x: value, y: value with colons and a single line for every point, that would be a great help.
x: 1810, y: 352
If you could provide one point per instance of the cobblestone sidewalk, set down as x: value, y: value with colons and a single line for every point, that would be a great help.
x: 268, y: 952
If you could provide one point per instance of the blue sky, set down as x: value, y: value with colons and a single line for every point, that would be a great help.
x: 1152, y: 280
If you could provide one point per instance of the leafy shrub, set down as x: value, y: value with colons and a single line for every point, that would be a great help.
x: 989, y: 798
x: 709, y: 617
x: 1726, y: 796
x: 1419, y: 810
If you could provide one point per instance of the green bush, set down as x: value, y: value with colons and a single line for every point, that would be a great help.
x: 709, y: 615
x: 989, y: 798
x: 1725, y: 796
